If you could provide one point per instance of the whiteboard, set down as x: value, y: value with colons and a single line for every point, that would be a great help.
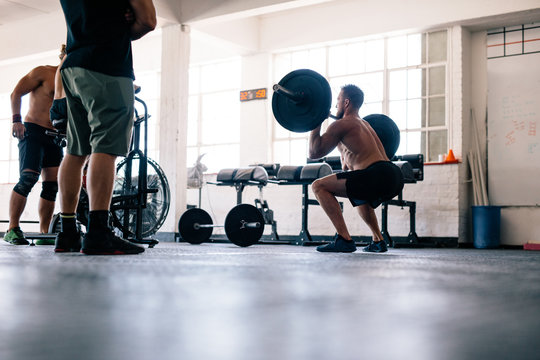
x: 514, y: 130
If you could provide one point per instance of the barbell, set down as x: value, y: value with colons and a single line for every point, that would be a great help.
x: 244, y: 225
x: 302, y: 101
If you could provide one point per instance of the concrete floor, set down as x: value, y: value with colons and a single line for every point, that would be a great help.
x: 218, y: 301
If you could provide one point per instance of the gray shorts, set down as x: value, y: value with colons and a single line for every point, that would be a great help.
x: 100, y: 112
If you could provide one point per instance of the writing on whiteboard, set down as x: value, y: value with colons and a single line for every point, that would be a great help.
x: 532, y: 128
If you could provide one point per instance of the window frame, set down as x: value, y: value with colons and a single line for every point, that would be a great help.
x: 196, y: 91
x: 426, y: 130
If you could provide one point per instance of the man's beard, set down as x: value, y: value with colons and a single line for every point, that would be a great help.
x: 339, y: 114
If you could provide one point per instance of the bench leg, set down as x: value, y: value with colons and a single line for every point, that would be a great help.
x: 384, y: 226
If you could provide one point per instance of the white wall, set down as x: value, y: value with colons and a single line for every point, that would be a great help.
x: 518, y: 224
x: 443, y: 198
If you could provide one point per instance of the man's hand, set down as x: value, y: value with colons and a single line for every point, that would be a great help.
x: 18, y: 130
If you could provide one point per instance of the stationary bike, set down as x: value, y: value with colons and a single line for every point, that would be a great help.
x: 141, y: 194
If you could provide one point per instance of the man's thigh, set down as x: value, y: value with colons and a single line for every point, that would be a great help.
x: 30, y: 154
x: 105, y: 112
x: 333, y: 185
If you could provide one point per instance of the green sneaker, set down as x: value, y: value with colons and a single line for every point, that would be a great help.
x: 15, y: 236
x: 45, y: 241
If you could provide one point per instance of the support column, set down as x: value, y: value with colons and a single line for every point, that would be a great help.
x: 173, y: 117
x: 254, y: 127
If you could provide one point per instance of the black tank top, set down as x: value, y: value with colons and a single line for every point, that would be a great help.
x: 98, y: 36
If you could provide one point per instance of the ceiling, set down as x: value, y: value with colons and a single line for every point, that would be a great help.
x: 168, y: 11
x: 16, y: 10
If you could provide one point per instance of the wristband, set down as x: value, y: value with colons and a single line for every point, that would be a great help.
x: 16, y: 118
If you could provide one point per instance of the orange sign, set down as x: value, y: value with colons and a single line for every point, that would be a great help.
x: 254, y: 94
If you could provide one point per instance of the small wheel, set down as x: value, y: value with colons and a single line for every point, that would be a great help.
x: 56, y: 225
x: 157, y: 202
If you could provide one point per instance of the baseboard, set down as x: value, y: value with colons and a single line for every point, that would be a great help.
x: 399, y: 241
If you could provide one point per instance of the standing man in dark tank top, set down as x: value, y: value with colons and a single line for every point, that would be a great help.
x: 98, y: 81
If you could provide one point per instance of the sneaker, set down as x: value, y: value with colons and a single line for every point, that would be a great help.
x: 67, y: 242
x: 338, y: 245
x: 376, y: 247
x: 45, y: 241
x: 15, y: 236
x: 106, y: 243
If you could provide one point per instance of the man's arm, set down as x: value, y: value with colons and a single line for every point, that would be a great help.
x: 319, y: 145
x: 144, y: 18
x: 27, y: 84
x: 58, y: 85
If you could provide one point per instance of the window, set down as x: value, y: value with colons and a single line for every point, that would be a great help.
x: 417, y: 92
x: 214, y: 114
x: 290, y: 147
x: 9, y: 151
x: 402, y: 76
x: 149, y: 81
x: 513, y: 40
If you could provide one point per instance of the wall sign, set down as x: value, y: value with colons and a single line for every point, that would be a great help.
x: 254, y: 94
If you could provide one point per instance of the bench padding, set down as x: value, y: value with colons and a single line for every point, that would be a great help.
x: 305, y: 173
x: 254, y: 174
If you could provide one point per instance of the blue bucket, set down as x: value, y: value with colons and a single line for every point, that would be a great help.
x: 486, y: 226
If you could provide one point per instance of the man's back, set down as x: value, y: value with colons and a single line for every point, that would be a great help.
x: 99, y: 36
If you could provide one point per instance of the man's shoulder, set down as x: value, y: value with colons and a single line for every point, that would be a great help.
x: 349, y: 121
x: 43, y: 70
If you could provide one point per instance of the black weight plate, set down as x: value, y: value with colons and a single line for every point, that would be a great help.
x: 233, y: 225
x: 186, y: 226
x: 388, y: 132
x: 309, y: 113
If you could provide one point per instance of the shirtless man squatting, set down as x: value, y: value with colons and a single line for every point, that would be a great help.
x: 368, y: 179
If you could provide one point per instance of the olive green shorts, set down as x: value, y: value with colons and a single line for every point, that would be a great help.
x: 100, y: 112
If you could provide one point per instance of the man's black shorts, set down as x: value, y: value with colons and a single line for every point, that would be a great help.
x: 379, y: 182
x: 37, y: 150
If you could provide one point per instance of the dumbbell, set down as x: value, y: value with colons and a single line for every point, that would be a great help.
x: 244, y: 225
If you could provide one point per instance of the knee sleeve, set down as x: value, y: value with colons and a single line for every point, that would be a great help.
x: 26, y: 182
x: 49, y: 190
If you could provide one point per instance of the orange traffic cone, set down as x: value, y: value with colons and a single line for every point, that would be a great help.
x: 450, y: 158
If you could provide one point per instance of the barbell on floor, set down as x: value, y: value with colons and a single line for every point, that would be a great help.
x: 302, y: 101
x: 244, y: 225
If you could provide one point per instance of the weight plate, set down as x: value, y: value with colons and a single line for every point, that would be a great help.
x: 186, y: 226
x: 312, y: 111
x: 239, y: 235
x: 387, y: 131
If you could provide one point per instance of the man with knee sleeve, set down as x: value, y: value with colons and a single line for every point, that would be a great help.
x: 368, y: 174
x: 38, y: 154
x: 98, y: 81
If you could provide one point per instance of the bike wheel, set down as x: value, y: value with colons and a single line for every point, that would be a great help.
x: 157, y: 202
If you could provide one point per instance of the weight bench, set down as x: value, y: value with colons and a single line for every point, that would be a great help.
x: 412, y: 173
x: 249, y: 176
x: 304, y: 176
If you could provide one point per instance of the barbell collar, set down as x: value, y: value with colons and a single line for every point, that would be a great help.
x: 251, y: 225
x: 293, y: 96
